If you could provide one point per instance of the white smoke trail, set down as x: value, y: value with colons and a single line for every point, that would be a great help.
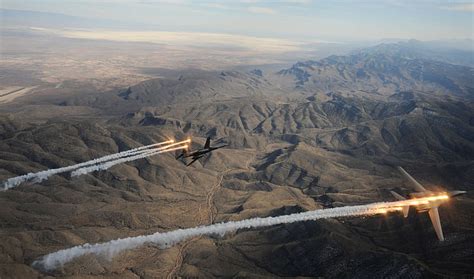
x: 167, y: 239
x: 110, y: 164
x: 43, y: 175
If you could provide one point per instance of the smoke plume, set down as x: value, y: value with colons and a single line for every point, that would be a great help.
x: 109, y: 164
x: 43, y: 175
x: 167, y: 239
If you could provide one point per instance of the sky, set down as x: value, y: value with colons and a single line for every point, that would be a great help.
x: 291, y: 19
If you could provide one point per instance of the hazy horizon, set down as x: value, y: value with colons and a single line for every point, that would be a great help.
x: 295, y: 20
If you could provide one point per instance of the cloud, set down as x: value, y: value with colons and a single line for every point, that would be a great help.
x: 460, y: 7
x: 166, y: 2
x: 216, y: 6
x: 261, y: 10
x: 193, y: 39
x: 297, y: 1
x: 277, y: 2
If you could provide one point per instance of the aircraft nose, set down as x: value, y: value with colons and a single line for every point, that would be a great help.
x: 457, y: 193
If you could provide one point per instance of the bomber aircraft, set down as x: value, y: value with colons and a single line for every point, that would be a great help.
x: 195, y: 155
x: 431, y: 206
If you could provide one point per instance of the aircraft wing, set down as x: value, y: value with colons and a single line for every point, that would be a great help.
x: 208, y: 143
x: 194, y: 160
x: 182, y: 154
x: 413, y: 182
x: 220, y: 146
x: 434, y: 216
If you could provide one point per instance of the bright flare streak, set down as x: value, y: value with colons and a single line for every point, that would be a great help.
x: 174, y: 144
x: 423, y: 200
x: 43, y: 175
x: 385, y: 210
x: 110, y: 164
x: 398, y: 206
x: 168, y: 239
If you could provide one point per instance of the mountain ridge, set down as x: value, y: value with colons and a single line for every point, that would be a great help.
x: 290, y: 150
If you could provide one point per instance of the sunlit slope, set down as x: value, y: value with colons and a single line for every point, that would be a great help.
x: 291, y: 150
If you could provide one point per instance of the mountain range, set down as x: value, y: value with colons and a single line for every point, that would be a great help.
x: 317, y: 134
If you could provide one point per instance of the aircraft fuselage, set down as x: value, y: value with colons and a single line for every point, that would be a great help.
x: 200, y: 152
x: 438, y: 199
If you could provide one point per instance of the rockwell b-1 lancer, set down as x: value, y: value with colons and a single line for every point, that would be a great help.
x: 195, y: 155
x: 431, y: 205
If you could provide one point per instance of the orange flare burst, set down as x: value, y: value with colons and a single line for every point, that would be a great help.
x: 398, y: 206
x: 173, y: 144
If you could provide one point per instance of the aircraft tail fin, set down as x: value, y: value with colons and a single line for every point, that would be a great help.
x: 397, y: 196
x: 208, y: 142
x: 406, y: 208
x: 434, y: 216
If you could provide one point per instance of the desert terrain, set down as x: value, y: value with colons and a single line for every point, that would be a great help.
x: 319, y: 133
